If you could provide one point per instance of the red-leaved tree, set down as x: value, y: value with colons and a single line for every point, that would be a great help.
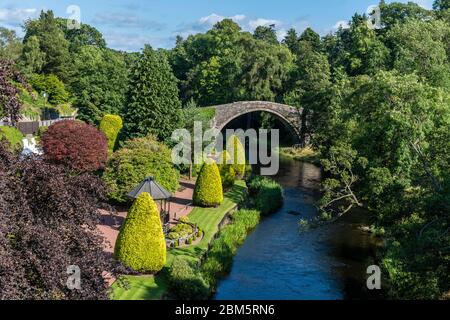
x: 9, y: 93
x: 48, y: 219
x: 76, y: 145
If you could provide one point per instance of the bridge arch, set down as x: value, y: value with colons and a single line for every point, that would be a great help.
x: 290, y: 116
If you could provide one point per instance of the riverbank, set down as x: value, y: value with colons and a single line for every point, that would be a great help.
x: 154, y: 287
x: 306, y: 154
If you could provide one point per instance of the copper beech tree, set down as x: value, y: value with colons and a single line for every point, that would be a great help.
x: 48, y: 219
x: 76, y: 145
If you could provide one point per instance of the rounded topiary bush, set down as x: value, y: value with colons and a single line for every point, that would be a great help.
x: 208, y: 190
x: 237, y: 156
x: 76, y: 145
x: 13, y: 138
x: 141, y: 245
x: 111, y: 125
x: 228, y: 175
x: 138, y: 159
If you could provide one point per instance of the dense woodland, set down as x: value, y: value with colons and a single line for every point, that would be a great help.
x: 377, y: 105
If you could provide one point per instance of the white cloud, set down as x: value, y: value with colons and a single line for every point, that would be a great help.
x: 13, y: 18
x: 253, y: 24
x: 341, y: 24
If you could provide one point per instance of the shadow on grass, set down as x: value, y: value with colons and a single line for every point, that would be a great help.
x: 237, y: 193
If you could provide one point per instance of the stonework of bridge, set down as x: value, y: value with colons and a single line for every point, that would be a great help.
x: 290, y: 116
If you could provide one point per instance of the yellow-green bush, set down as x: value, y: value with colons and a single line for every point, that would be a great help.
x: 13, y: 136
x: 208, y: 190
x: 141, y: 244
x: 111, y: 126
x: 237, y: 153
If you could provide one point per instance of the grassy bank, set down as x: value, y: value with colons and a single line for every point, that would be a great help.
x: 301, y: 154
x: 208, y: 219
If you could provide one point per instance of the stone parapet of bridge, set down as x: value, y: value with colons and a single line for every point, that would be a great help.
x: 290, y: 116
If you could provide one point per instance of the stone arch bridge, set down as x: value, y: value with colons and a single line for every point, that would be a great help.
x: 290, y: 116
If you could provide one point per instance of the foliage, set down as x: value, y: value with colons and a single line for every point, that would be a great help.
x: 208, y: 190
x: 99, y: 83
x: 220, y: 256
x: 270, y: 198
x: 9, y: 103
x: 13, y: 137
x: 137, y: 160
x: 152, y: 102
x: 76, y: 145
x: 53, y: 46
x: 111, y: 126
x: 186, y: 282
x: 236, y: 153
x: 52, y: 86
x: 228, y: 175
x: 53, y: 229
x: 181, y: 230
x: 10, y: 45
x: 265, y: 33
x: 141, y: 244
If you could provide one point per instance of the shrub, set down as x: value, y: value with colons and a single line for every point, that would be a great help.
x: 228, y: 175
x: 208, y: 188
x: 185, y: 282
x: 237, y: 153
x: 255, y: 185
x: 269, y: 198
x: 141, y: 244
x: 139, y: 159
x: 13, y: 137
x: 77, y: 145
x: 111, y: 125
x: 220, y: 256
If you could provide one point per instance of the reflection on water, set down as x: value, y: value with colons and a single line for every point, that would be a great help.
x: 276, y: 262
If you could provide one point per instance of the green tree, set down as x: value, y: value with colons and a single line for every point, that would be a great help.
x: 441, y: 5
x: 10, y: 45
x: 33, y: 58
x: 99, y: 83
x: 141, y: 244
x: 85, y: 35
x: 291, y: 40
x: 52, y: 86
x: 52, y: 43
x: 266, y: 33
x: 420, y: 46
x: 208, y: 190
x: 312, y: 37
x: 152, y: 103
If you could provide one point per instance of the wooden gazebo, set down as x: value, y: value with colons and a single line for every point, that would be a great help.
x: 159, y: 194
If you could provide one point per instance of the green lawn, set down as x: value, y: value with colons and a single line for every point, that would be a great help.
x: 208, y: 219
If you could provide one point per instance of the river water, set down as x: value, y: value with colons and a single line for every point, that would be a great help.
x: 277, y: 262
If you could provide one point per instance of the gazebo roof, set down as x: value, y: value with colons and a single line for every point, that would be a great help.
x: 150, y: 186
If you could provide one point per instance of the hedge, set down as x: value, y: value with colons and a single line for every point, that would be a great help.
x: 13, y: 136
x: 111, y: 125
x: 186, y: 282
x: 220, y: 256
x: 208, y: 190
x: 268, y: 194
x: 141, y: 244
x: 139, y: 159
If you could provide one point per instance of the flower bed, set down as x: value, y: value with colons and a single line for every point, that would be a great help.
x: 184, y: 233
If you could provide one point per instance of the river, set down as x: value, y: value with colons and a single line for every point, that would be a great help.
x: 277, y: 262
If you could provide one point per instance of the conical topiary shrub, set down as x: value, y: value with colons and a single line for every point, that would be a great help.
x: 237, y: 154
x: 141, y: 244
x: 208, y: 188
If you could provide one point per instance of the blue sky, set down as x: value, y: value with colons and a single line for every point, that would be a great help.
x: 128, y: 25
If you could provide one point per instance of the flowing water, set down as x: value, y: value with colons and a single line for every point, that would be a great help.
x: 277, y: 262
